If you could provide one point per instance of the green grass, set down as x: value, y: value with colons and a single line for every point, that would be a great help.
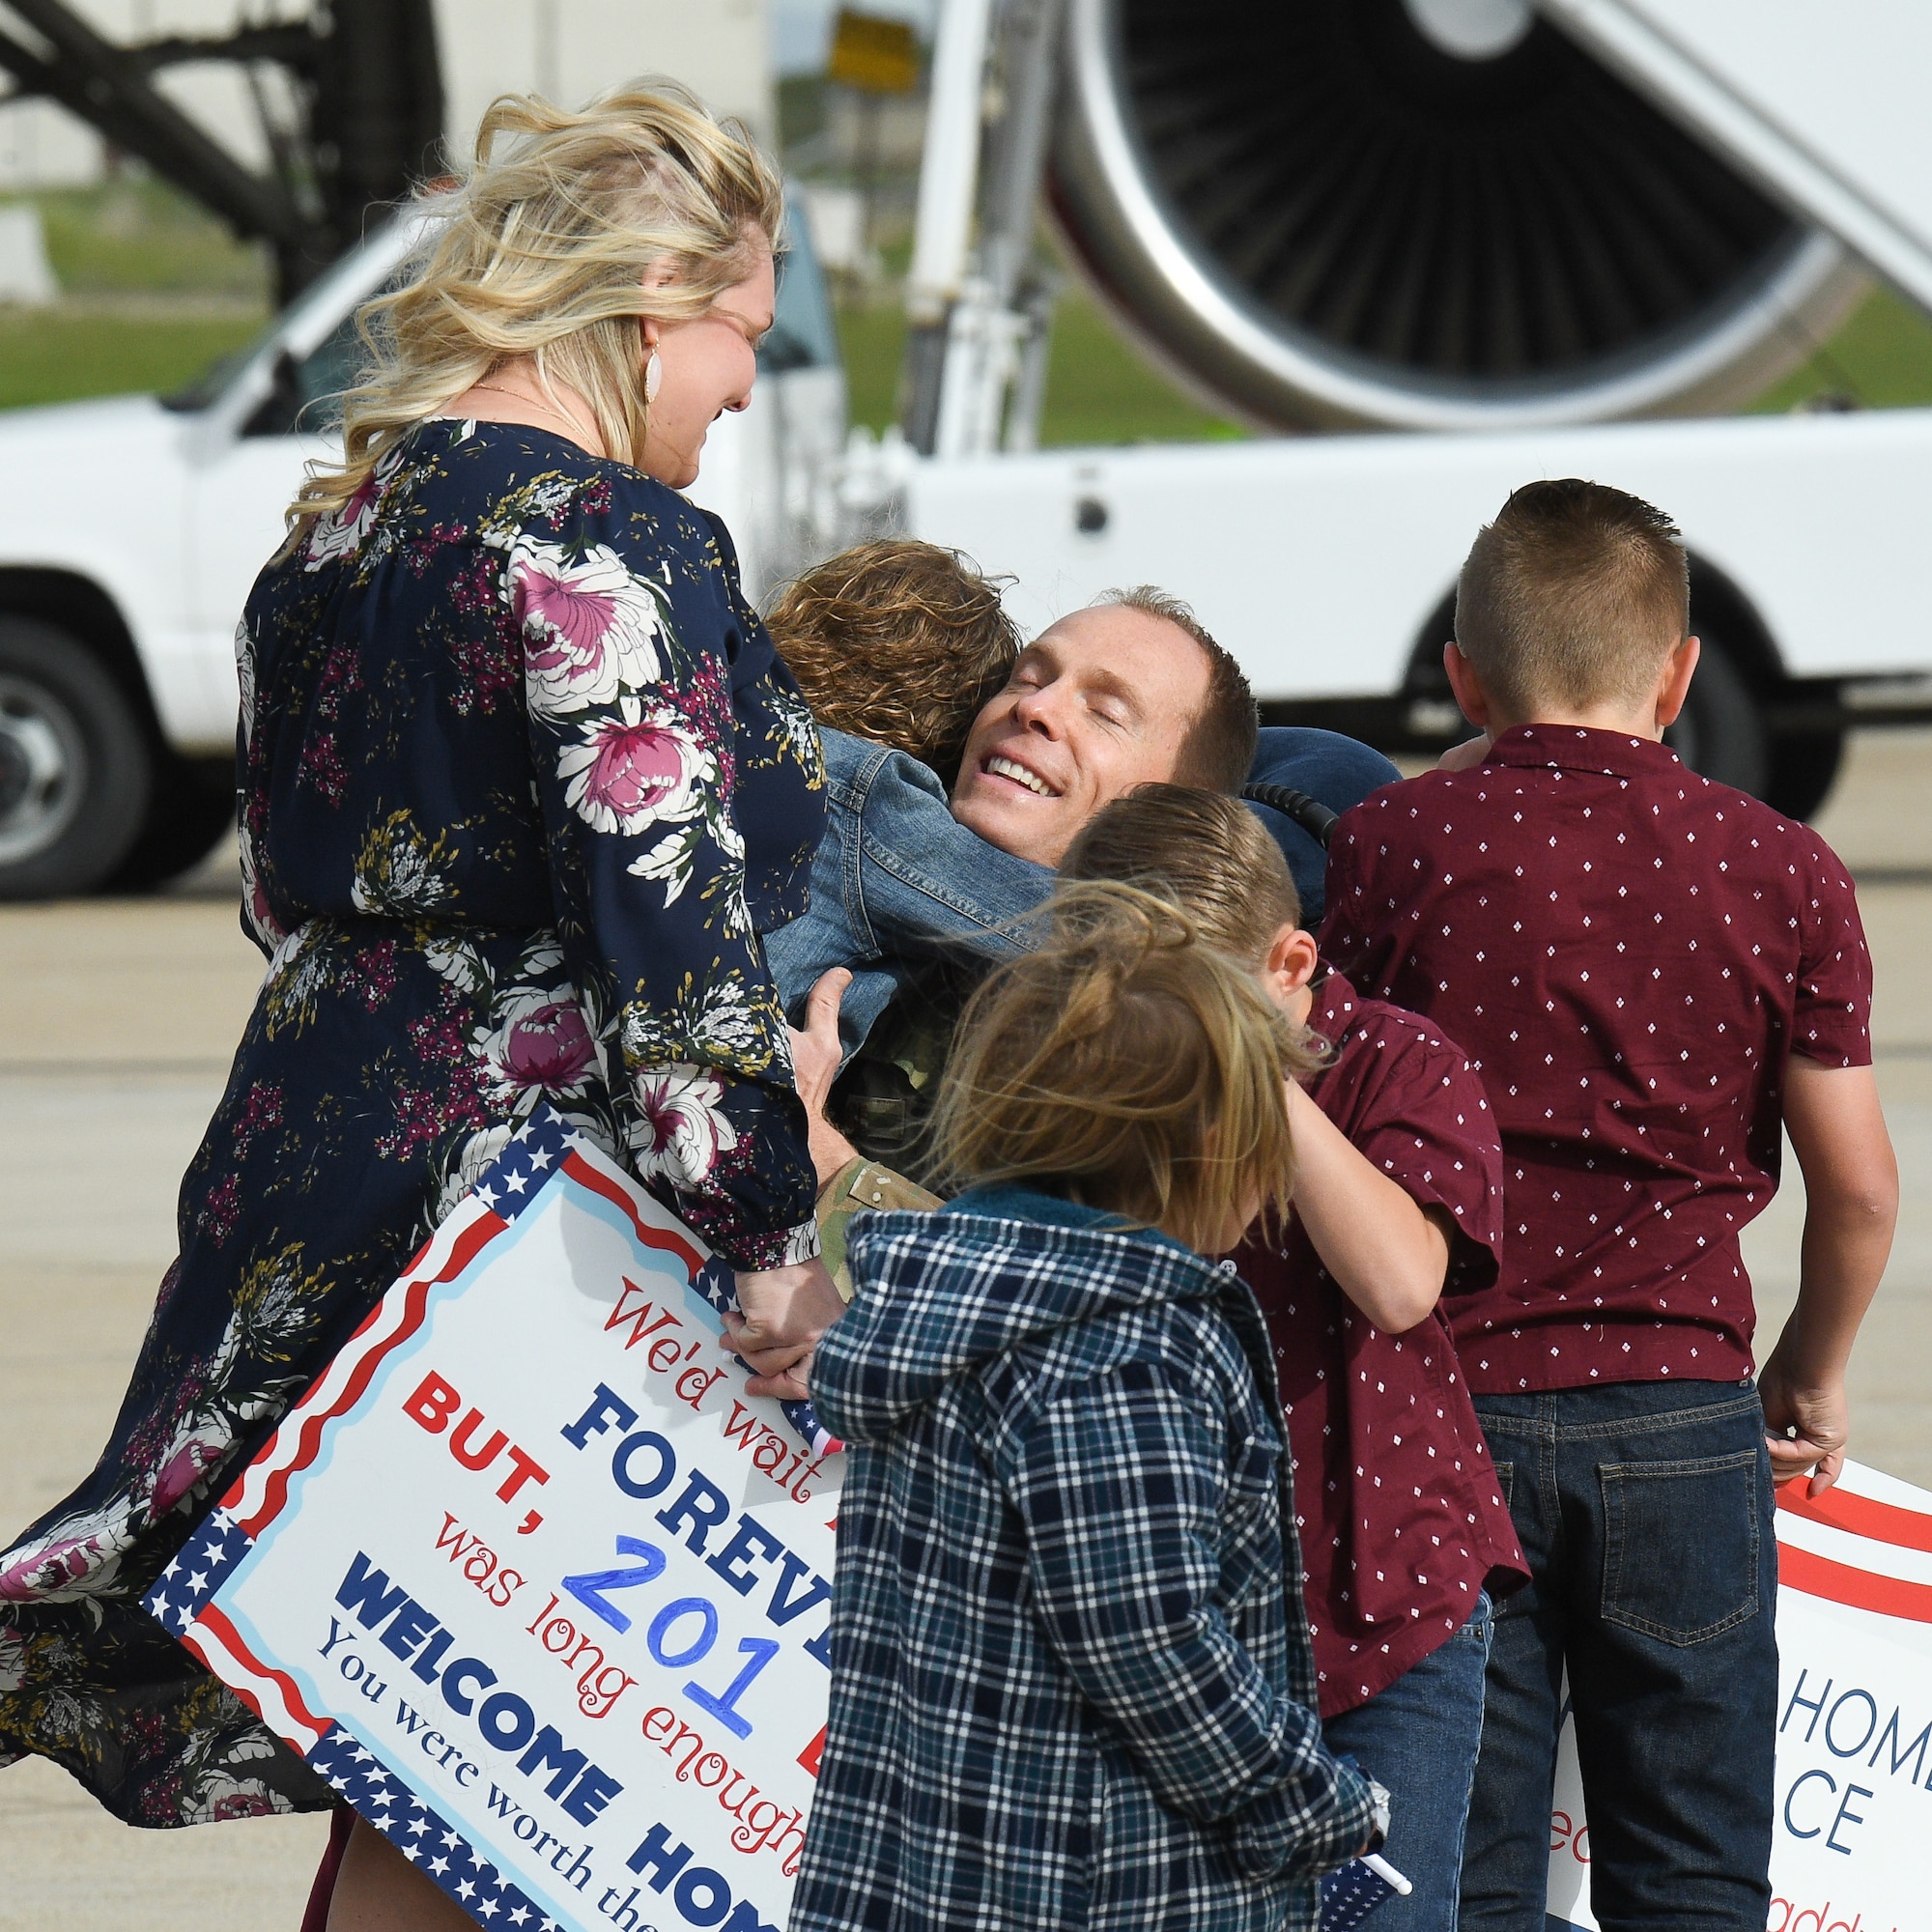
x: 131, y: 235
x: 1880, y: 358
x: 47, y: 357
x: 872, y: 334
x: 137, y: 242
x: 1098, y: 390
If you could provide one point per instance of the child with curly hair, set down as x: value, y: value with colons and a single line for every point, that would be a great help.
x: 897, y: 645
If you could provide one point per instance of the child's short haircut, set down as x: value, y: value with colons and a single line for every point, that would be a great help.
x: 1200, y: 850
x: 899, y: 642
x: 1574, y: 596
x: 1126, y: 1065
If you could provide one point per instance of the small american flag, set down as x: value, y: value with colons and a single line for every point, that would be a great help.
x: 1351, y: 1894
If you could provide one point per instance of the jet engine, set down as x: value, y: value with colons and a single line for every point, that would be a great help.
x: 1418, y: 213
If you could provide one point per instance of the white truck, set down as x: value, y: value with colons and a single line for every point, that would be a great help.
x: 132, y: 529
x: 1361, y: 218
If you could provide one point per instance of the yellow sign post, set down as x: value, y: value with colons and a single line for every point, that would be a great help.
x: 873, y: 55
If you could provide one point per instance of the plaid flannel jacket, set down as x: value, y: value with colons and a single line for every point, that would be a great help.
x: 1069, y: 1687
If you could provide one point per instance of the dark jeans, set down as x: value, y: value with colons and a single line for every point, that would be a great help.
x: 1419, y: 1738
x: 1645, y: 1512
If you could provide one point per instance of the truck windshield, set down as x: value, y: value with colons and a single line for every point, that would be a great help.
x: 803, y: 334
x: 200, y: 391
x: 303, y: 388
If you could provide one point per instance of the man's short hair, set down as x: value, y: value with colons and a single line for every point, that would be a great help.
x: 1574, y: 596
x: 1219, y: 748
x: 898, y: 641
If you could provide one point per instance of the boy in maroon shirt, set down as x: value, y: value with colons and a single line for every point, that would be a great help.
x: 1398, y: 1188
x: 1653, y: 974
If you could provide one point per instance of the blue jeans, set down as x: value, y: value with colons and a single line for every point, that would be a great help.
x: 1419, y: 1738
x: 1645, y: 1513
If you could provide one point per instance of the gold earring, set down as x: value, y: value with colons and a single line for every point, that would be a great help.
x: 653, y: 377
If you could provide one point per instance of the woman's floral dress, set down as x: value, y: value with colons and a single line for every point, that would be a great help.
x: 523, y: 780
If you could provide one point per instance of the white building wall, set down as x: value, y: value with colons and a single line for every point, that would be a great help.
x: 568, y: 50
x: 571, y: 50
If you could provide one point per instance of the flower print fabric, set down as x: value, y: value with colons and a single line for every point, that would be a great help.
x: 589, y: 626
x: 523, y: 780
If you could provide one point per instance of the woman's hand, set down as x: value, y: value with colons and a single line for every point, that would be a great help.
x: 816, y: 1058
x: 786, y: 1311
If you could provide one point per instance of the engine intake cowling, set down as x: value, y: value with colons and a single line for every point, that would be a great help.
x: 1418, y: 213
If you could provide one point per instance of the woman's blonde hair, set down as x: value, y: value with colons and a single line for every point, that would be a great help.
x: 1203, y: 851
x: 1126, y: 1065
x: 543, y: 250
x: 898, y: 641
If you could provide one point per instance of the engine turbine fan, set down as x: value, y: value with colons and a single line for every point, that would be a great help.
x: 1418, y: 213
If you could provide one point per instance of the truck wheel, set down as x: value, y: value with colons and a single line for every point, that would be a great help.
x: 1721, y: 730
x: 75, y: 766
x: 191, y: 807
x: 1804, y: 769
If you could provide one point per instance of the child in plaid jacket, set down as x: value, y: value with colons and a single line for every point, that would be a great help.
x: 1068, y: 1689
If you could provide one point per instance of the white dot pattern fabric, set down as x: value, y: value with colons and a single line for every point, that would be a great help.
x: 1401, y: 1519
x: 1629, y: 952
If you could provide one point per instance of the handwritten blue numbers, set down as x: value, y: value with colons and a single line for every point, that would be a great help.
x: 588, y: 1589
x: 672, y: 1613
x: 671, y: 1646
x: 724, y: 1705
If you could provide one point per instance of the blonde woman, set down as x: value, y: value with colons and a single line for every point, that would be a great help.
x: 521, y: 781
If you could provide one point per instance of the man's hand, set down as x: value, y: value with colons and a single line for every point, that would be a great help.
x: 786, y: 1311
x: 814, y: 1057
x: 1822, y: 1418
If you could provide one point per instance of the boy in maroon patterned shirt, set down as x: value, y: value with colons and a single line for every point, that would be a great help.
x: 1654, y: 975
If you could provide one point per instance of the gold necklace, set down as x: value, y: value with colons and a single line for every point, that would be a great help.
x: 555, y: 415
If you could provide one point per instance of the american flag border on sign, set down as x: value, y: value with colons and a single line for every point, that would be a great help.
x: 180, y: 1598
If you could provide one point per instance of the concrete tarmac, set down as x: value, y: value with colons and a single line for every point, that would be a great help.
x: 118, y: 1020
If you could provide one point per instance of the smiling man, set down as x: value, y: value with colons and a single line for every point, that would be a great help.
x: 1130, y: 691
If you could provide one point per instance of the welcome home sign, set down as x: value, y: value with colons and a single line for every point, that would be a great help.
x: 530, y: 1580
x: 1853, y: 1791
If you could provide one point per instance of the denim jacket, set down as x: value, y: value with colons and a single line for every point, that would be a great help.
x: 896, y: 882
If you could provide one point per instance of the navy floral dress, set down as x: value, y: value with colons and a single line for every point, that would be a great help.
x: 523, y: 780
